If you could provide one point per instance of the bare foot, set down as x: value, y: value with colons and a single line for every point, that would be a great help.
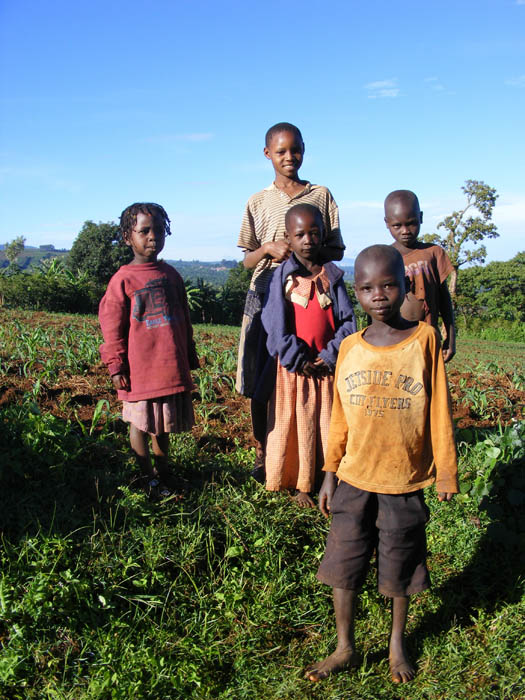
x: 338, y: 661
x: 303, y: 499
x: 401, y: 669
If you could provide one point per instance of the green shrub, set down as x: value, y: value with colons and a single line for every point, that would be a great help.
x: 492, y: 329
x: 62, y: 292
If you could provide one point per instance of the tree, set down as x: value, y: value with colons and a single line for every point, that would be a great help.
x: 233, y: 296
x: 98, y: 251
x: 461, y: 231
x: 494, y: 292
x: 12, y: 250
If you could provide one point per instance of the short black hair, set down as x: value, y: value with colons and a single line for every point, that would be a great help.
x: 303, y: 208
x: 128, y: 218
x: 402, y: 196
x: 280, y: 127
x: 381, y: 252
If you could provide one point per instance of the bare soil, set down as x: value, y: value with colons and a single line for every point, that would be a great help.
x: 479, y: 399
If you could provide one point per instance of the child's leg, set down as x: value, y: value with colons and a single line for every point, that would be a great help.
x: 160, y: 444
x: 400, y: 666
x: 140, y: 446
x: 258, y: 411
x: 345, y: 654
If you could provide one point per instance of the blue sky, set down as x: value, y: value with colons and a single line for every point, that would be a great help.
x: 104, y: 103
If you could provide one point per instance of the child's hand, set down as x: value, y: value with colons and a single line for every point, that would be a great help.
x: 121, y: 381
x: 277, y: 250
x: 322, y: 368
x: 445, y: 496
x: 309, y: 369
x: 449, y: 349
x: 326, y: 493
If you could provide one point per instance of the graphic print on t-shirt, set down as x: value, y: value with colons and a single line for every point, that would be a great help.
x: 155, y: 304
x: 376, y: 405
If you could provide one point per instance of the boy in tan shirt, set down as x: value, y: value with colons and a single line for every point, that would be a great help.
x: 427, y: 267
x: 391, y: 434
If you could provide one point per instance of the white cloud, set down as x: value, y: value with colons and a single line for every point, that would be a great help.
x: 518, y: 81
x: 382, y: 88
x: 435, y: 84
x: 520, y: 2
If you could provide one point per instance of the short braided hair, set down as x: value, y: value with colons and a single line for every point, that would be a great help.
x: 128, y: 218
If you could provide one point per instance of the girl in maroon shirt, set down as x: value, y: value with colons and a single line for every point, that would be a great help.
x: 148, y: 343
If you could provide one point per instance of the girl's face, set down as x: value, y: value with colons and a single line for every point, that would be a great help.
x: 146, y: 239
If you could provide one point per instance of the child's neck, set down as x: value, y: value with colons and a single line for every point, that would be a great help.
x: 142, y: 261
x: 403, y: 249
x: 288, y: 184
x: 391, y: 332
x: 311, y: 267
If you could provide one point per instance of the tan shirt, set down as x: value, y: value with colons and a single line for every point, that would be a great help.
x: 427, y: 266
x: 391, y: 429
x: 263, y: 221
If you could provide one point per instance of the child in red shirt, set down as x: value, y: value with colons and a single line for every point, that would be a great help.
x: 148, y: 342
x: 306, y: 315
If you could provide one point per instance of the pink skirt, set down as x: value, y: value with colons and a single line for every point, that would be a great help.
x: 297, y: 433
x: 165, y: 414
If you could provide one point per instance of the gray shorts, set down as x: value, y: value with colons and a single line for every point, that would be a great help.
x: 393, y: 524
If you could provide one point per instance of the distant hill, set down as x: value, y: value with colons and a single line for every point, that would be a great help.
x: 31, y: 255
x: 215, y: 273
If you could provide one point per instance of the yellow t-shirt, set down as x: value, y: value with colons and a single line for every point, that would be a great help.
x: 391, y: 429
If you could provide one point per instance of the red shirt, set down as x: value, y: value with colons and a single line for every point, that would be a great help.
x: 147, y: 331
x: 313, y: 324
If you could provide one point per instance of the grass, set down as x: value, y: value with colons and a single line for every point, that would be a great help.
x: 104, y: 594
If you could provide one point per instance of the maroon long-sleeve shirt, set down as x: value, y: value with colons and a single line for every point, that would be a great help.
x: 147, y: 331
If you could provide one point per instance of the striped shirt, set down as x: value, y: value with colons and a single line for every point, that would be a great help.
x: 263, y: 221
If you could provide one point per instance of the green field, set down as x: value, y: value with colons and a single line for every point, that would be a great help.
x: 212, y: 593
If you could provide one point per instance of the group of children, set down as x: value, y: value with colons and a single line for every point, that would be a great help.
x: 370, y: 409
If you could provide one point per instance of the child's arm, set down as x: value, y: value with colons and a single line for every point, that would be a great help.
x: 292, y: 351
x: 329, y: 253
x: 326, y: 493
x: 447, y: 314
x: 441, y: 424
x: 336, y: 447
x: 193, y: 358
x: 113, y: 316
x: 345, y: 324
x: 276, y: 250
x: 333, y: 247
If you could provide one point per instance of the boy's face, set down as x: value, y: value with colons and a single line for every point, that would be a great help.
x: 304, y: 233
x: 146, y: 239
x: 286, y: 152
x: 403, y: 219
x: 380, y: 288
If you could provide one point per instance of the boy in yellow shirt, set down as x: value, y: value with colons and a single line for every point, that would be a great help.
x: 391, y: 434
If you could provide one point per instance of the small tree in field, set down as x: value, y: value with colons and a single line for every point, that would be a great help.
x: 98, y: 251
x: 462, y: 230
x: 12, y: 250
